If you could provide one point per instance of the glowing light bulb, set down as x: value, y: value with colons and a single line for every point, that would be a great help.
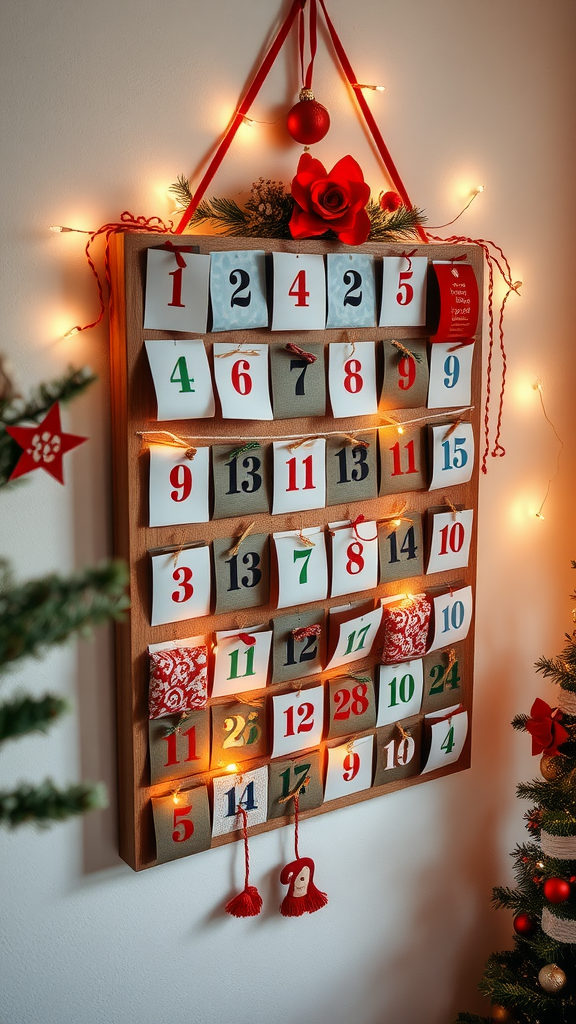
x: 248, y: 120
x: 232, y: 767
x: 60, y: 228
x: 479, y: 189
x: 72, y: 332
x: 539, y: 515
x: 374, y: 88
x: 396, y: 523
x: 400, y: 430
x: 176, y: 797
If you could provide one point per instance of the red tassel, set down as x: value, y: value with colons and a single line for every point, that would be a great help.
x: 247, y: 903
x: 303, y: 897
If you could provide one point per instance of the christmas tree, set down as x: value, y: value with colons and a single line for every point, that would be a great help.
x: 39, y: 613
x: 535, y: 983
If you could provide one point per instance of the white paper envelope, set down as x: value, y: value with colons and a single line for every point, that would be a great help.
x: 241, y: 375
x: 176, y: 297
x: 182, y: 379
x: 178, y: 486
x: 180, y: 585
x: 403, y: 291
x: 400, y: 691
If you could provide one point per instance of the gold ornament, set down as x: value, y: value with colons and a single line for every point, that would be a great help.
x: 551, y: 767
x: 552, y: 978
x: 500, y: 1013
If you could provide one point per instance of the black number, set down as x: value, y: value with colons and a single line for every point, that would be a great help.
x: 244, y: 277
x: 359, y: 471
x: 308, y: 652
x: 299, y: 364
x: 251, y: 464
x: 251, y: 560
x: 354, y: 279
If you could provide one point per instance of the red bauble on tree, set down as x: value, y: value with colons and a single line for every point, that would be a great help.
x: 524, y: 925
x: 308, y: 121
x: 557, y: 890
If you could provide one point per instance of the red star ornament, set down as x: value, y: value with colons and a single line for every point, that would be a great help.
x: 44, y: 445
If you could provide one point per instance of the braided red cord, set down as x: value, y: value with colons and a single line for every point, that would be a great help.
x: 246, y: 850
x: 296, y: 808
x: 505, y: 272
x: 127, y: 223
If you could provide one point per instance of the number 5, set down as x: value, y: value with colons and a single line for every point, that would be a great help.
x: 405, y: 290
x: 185, y: 825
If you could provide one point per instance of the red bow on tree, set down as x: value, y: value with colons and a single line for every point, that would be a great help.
x: 545, y: 729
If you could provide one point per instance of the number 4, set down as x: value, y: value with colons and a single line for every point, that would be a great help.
x: 298, y: 289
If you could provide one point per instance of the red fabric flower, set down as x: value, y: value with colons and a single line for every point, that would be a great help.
x: 333, y: 201
x: 545, y: 729
x: 390, y: 201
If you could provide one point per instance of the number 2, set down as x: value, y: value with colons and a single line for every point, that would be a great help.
x: 354, y: 279
x: 244, y: 278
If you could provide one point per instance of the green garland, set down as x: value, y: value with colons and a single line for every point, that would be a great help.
x: 267, y: 213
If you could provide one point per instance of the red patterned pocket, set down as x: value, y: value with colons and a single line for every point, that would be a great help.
x: 406, y: 622
x: 178, y: 681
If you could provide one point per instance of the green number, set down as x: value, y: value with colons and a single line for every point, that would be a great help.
x: 452, y: 679
x: 303, y: 578
x: 406, y: 690
x: 299, y: 769
x: 180, y: 375
x: 361, y: 638
x: 234, y: 655
x: 449, y: 742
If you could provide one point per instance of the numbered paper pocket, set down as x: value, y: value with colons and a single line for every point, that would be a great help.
x: 351, y: 635
x: 298, y: 381
x: 406, y: 622
x: 178, y: 676
x: 178, y: 486
x: 450, y: 536
x: 352, y: 378
x: 240, y: 480
x: 248, y: 790
x: 241, y: 375
x: 452, y: 452
x: 452, y: 617
x: 447, y: 731
x: 457, y: 290
x: 238, y: 290
x: 400, y: 690
x: 180, y: 585
x: 401, y: 460
x: 299, y: 475
x: 299, y: 292
x: 351, y: 468
x: 241, y: 660
x: 400, y: 548
x: 354, y: 557
x: 298, y: 718
x: 179, y: 746
x: 403, y: 291
x: 182, y: 380
x: 181, y: 823
x: 351, y: 290
x: 238, y: 733
x: 351, y: 704
x: 299, y: 775
x: 298, y: 645
x: 302, y: 566
x: 450, y: 375
x: 405, y: 383
x: 242, y: 576
x: 349, y: 768
x: 443, y: 682
x: 176, y: 291
x: 398, y: 751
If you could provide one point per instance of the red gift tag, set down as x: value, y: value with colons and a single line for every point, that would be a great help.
x: 459, y: 301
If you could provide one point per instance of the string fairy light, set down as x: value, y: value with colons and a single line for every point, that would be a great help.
x: 374, y: 88
x: 539, y: 387
x: 61, y: 229
x: 476, y: 192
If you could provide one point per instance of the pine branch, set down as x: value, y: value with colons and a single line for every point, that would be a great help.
x: 181, y: 192
x: 505, y: 898
x: 17, y: 410
x: 48, y: 611
x: 399, y: 224
x: 519, y: 722
x: 26, y: 714
x: 225, y: 214
x: 45, y: 803
x: 471, y: 1018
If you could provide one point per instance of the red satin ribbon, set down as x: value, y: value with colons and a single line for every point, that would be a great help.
x: 177, y: 251
x: 313, y: 42
x: 243, y: 109
x: 256, y: 85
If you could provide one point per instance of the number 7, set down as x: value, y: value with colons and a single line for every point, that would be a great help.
x: 303, y: 578
x: 299, y: 364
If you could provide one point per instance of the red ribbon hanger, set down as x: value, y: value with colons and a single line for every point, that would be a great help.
x: 257, y: 83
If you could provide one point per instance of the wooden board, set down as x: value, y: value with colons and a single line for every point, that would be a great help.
x: 134, y: 410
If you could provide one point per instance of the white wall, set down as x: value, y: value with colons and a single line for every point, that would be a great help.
x: 104, y: 103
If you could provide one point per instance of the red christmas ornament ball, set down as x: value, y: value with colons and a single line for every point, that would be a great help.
x: 556, y: 890
x: 308, y: 121
x: 390, y: 201
x: 524, y: 925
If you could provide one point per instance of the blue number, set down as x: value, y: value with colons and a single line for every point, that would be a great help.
x: 452, y: 371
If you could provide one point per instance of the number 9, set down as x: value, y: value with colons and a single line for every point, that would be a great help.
x: 181, y: 480
x: 351, y: 766
x: 452, y: 371
x: 407, y: 372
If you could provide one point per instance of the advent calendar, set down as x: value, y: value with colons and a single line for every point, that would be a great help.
x: 296, y: 441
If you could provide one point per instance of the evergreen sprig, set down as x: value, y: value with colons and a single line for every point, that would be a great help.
x: 46, y: 803
x: 22, y: 715
x: 48, y: 611
x: 268, y: 210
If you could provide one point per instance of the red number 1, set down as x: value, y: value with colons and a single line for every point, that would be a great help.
x: 298, y: 289
x: 177, y: 288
